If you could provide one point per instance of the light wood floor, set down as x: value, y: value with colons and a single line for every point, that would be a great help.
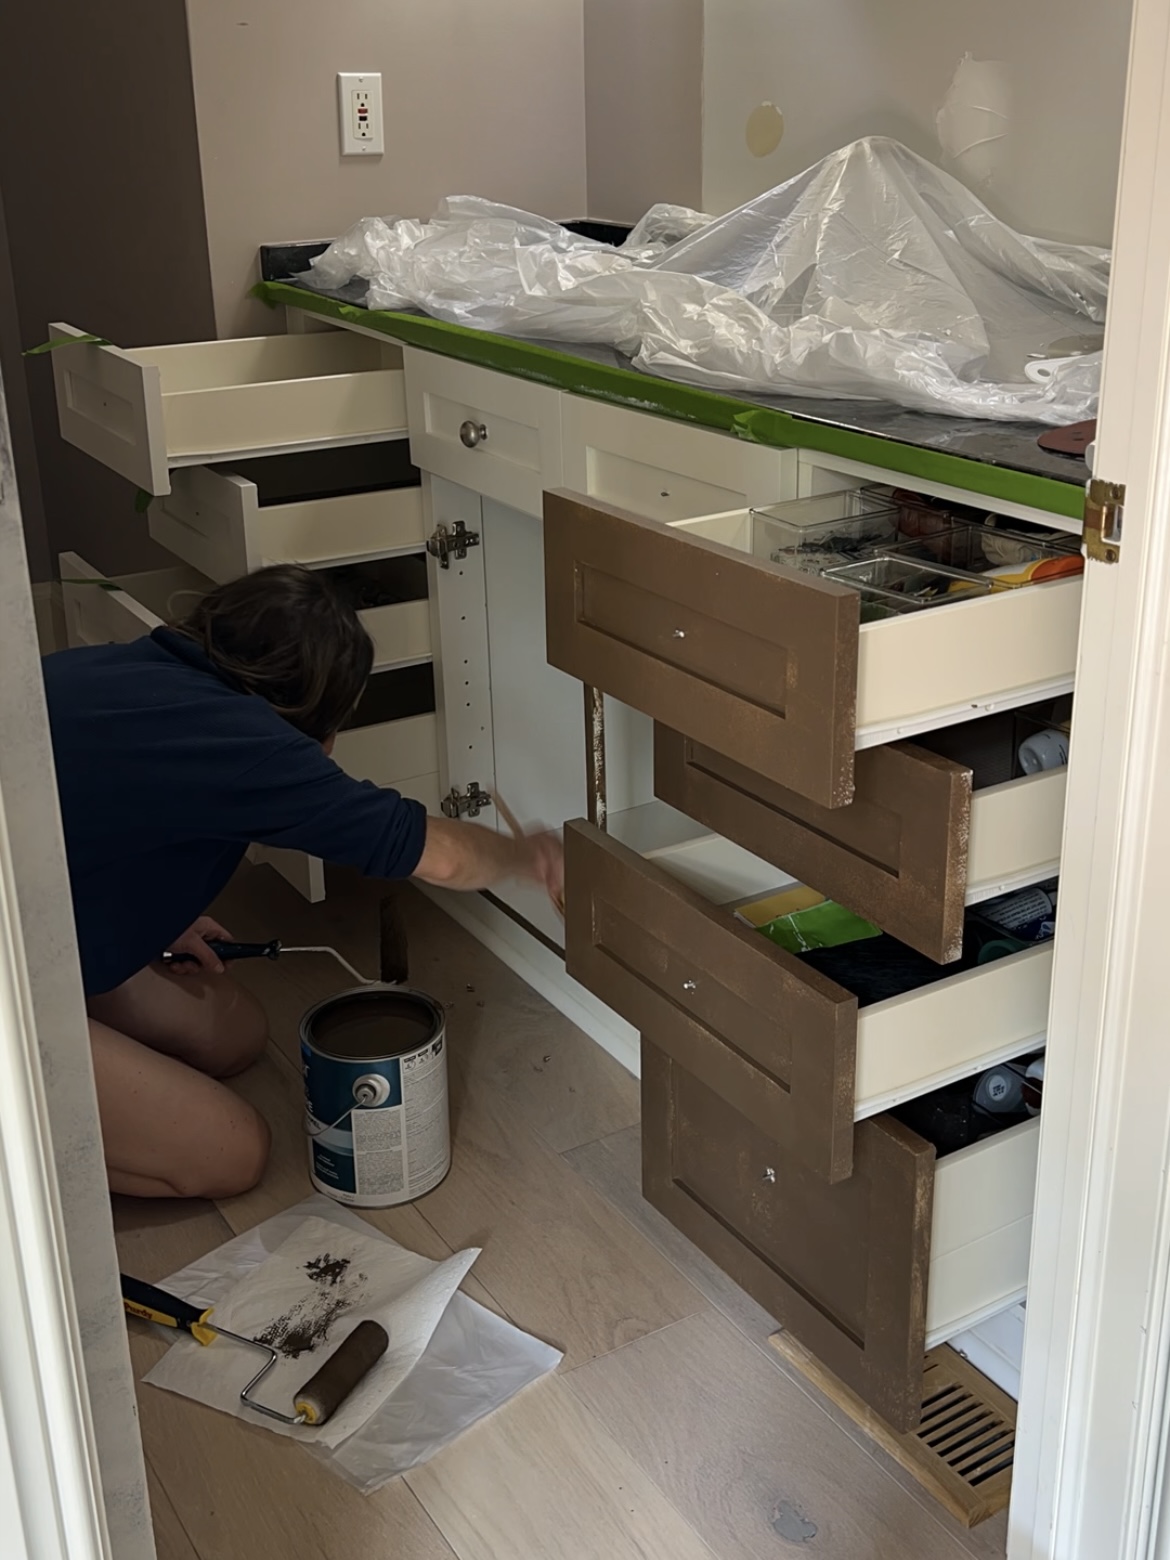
x: 671, y: 1431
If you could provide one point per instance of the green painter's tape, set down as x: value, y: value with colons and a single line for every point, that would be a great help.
x: 685, y: 403
x: 66, y: 341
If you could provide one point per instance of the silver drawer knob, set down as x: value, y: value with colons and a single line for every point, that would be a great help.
x: 689, y: 985
x: 769, y: 1175
x: 473, y: 433
x: 680, y: 633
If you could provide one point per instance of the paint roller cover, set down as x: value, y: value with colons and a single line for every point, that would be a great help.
x: 325, y: 1392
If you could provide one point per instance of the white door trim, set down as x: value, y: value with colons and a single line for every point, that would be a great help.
x: 1093, y: 1409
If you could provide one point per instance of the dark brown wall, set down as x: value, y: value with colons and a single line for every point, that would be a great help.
x: 101, y: 188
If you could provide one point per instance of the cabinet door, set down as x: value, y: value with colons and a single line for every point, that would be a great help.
x: 844, y: 1267
x: 774, y: 1039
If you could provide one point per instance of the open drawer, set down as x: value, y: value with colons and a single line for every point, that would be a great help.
x: 771, y: 666
x: 315, y: 507
x: 784, y: 1046
x: 143, y: 410
x: 867, y: 1274
x: 926, y: 834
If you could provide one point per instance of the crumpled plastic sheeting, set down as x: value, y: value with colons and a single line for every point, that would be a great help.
x: 872, y: 276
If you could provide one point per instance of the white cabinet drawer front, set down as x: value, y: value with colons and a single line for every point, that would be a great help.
x: 664, y: 469
x: 982, y: 1230
x: 145, y: 410
x: 97, y: 615
x: 214, y: 521
x: 498, y: 436
x: 388, y: 752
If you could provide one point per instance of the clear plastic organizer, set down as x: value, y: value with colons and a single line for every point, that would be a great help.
x: 890, y: 584
x: 815, y: 534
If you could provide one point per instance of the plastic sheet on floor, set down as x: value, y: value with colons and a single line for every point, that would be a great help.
x: 451, y: 1361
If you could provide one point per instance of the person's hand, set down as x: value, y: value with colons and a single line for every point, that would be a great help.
x: 543, y: 860
x: 193, y: 942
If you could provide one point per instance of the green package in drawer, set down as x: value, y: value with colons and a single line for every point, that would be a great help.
x: 826, y: 925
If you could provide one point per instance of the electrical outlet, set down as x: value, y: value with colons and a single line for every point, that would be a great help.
x: 359, y: 110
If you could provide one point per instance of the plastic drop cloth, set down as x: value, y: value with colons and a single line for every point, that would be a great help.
x: 871, y: 276
x: 450, y: 1363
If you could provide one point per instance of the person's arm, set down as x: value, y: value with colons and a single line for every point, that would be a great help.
x: 466, y: 856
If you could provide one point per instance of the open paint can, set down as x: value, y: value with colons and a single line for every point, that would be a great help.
x: 375, y: 1063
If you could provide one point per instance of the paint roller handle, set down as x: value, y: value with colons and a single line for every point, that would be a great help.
x: 155, y: 1305
x: 225, y: 950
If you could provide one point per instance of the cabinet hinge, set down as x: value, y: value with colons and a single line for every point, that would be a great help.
x: 451, y: 541
x: 1104, y: 511
x: 465, y: 804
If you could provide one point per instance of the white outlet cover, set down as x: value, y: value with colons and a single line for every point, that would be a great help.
x: 359, y: 113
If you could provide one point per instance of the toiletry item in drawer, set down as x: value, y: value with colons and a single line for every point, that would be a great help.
x: 799, y: 919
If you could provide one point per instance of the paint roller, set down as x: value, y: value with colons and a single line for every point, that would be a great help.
x: 320, y: 1397
x: 392, y: 945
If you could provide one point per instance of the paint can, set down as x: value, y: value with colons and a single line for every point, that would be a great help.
x: 375, y: 1066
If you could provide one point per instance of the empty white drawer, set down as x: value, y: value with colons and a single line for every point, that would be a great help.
x: 144, y: 410
x: 496, y: 435
x: 312, y: 508
x: 96, y: 614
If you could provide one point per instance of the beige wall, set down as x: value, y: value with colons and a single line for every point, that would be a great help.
x: 484, y: 99
x: 840, y: 69
x: 643, y: 105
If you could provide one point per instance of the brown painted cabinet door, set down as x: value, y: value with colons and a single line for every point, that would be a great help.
x: 897, y: 853
x: 844, y: 1267
x: 752, y: 659
x: 775, y: 1040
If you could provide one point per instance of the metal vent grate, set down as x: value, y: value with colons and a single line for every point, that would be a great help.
x: 961, y: 1452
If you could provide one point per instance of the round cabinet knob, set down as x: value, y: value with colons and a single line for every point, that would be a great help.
x: 473, y: 433
x: 769, y: 1175
x: 690, y: 985
x: 680, y: 633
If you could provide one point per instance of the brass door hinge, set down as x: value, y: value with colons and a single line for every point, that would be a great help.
x: 1104, y: 510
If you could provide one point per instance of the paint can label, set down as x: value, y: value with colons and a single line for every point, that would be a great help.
x: 383, y: 1155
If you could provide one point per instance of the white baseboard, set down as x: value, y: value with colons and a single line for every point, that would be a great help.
x: 543, y: 970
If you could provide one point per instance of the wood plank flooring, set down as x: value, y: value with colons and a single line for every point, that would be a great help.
x: 671, y: 1431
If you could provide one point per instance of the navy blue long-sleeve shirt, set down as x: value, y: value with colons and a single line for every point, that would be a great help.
x: 167, y: 771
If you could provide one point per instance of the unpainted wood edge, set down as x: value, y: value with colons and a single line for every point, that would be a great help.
x: 967, y: 1506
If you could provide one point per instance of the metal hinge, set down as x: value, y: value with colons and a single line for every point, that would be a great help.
x: 451, y: 541
x: 465, y: 804
x: 1104, y: 511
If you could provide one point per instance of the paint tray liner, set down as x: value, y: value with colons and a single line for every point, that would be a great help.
x: 450, y: 1361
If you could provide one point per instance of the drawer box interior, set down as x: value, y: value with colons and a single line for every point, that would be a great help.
x: 771, y: 666
x: 788, y: 1046
x: 312, y: 507
x: 933, y: 825
x: 147, y: 409
x: 866, y: 1273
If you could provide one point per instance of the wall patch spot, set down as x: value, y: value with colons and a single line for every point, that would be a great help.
x: 765, y: 130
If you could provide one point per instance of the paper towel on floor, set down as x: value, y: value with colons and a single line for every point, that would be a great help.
x: 311, y: 1274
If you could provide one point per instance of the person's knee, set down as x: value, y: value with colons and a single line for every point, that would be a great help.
x: 239, y: 1156
x: 241, y: 1033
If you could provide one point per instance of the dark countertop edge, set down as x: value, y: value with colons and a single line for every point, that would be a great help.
x: 685, y: 403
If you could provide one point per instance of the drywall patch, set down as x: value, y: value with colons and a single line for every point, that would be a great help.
x: 975, y: 117
x: 765, y: 130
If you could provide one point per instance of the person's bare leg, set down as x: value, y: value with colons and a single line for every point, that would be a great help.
x: 168, y: 1130
x: 208, y: 1021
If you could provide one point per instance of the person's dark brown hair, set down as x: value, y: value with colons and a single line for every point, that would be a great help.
x: 287, y: 635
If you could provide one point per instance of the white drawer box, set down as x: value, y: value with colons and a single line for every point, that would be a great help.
x: 220, y: 522
x: 664, y: 469
x: 498, y: 436
x: 144, y: 410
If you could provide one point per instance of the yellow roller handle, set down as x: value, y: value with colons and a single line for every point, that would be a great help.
x: 155, y: 1305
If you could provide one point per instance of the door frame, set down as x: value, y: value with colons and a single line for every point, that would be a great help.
x: 1094, y: 1411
